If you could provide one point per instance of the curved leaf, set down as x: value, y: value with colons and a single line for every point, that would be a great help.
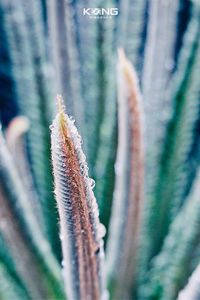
x: 81, y: 232
x: 128, y: 195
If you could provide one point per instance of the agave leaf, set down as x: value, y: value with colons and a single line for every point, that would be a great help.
x: 33, y: 106
x: 171, y: 268
x: 181, y: 134
x: 104, y: 166
x: 191, y: 291
x: 169, y: 195
x: 33, y: 281
x: 17, y: 199
x: 128, y: 195
x: 81, y: 232
x: 15, y: 141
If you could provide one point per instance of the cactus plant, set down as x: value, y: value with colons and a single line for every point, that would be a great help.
x: 104, y: 202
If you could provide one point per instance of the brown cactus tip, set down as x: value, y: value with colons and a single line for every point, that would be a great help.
x: 127, y: 69
x: 60, y: 104
x: 61, y: 111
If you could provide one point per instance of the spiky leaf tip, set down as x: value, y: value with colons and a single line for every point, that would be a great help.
x: 81, y: 231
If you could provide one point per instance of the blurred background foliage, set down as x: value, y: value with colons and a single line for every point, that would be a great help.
x: 49, y: 47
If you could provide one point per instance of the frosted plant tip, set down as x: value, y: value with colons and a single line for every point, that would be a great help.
x: 60, y: 104
x: 61, y: 111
